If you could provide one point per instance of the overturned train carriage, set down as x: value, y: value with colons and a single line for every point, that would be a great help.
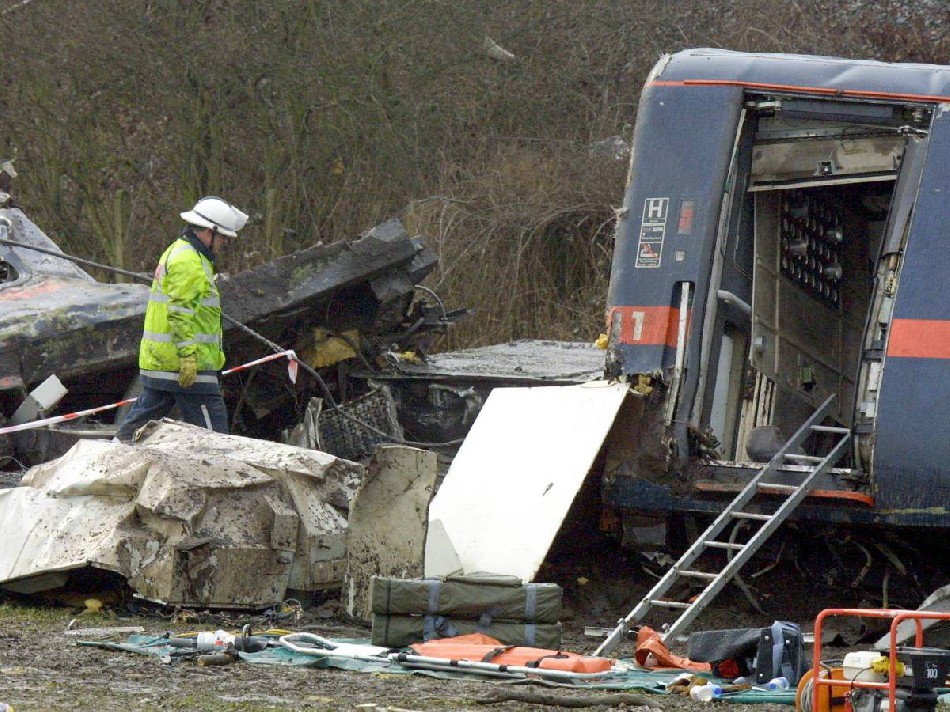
x: 784, y: 239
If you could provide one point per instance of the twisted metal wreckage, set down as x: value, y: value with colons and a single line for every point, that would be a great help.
x: 340, y: 307
x: 190, y: 518
x: 183, y: 517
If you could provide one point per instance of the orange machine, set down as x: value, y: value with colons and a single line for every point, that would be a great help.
x: 912, y: 672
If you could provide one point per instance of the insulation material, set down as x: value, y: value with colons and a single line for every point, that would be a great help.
x: 187, y: 517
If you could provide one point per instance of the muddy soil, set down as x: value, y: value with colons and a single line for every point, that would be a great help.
x: 42, y: 669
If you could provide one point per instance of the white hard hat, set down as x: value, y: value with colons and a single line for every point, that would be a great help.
x: 217, y: 214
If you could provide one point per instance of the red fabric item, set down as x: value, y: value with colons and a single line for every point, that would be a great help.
x: 649, y: 641
x: 727, y: 669
x: 478, y: 647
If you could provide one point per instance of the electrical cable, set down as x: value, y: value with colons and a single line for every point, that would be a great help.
x: 145, y: 278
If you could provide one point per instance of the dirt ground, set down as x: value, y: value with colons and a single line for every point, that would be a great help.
x: 42, y: 669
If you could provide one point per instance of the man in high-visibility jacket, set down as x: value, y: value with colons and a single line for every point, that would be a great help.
x: 181, y: 356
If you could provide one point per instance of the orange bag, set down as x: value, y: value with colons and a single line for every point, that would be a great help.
x: 649, y: 641
x: 481, y: 648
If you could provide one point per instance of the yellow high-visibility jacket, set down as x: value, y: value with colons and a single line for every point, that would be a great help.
x: 183, y: 316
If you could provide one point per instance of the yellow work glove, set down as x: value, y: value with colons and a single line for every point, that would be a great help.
x: 187, y: 370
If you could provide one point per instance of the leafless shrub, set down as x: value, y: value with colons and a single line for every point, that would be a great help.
x: 323, y: 118
x: 526, y: 241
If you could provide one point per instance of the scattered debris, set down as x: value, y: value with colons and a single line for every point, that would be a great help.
x: 495, y: 51
x: 314, y: 645
x: 334, y: 305
x: 103, y: 632
x: 936, y: 602
x: 215, y: 659
x: 439, y: 398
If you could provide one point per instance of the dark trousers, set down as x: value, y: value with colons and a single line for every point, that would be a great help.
x: 206, y: 410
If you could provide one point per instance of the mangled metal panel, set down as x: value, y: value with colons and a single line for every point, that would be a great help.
x: 525, y: 362
x: 439, y: 399
x: 364, y: 284
x: 55, y: 318
x: 936, y: 630
x: 186, y: 516
x: 515, y: 477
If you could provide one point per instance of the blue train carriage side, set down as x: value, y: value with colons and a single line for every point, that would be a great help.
x: 784, y: 238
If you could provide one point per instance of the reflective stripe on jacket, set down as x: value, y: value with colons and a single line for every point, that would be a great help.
x: 183, y: 316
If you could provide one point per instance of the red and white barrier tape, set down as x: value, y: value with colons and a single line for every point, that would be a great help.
x: 291, y: 373
x: 288, y: 354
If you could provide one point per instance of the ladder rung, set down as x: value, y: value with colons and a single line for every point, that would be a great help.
x: 659, y: 603
x: 724, y: 545
x: 777, y: 489
x: 750, y: 515
x: 698, y: 574
x: 803, y: 458
x: 830, y: 429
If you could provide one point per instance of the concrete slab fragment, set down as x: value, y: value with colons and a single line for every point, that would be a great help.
x: 387, y: 525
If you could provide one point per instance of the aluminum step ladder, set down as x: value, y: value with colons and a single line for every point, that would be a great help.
x: 734, y: 512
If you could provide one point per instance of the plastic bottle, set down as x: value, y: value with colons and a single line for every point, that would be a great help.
x: 778, y: 683
x: 705, y: 693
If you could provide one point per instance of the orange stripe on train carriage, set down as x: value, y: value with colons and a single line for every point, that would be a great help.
x: 919, y: 338
x: 647, y: 326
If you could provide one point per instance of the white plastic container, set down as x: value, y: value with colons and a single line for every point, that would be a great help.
x: 705, y: 693
x: 857, y: 666
x: 217, y: 641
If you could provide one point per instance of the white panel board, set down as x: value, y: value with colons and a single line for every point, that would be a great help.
x: 515, y: 476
